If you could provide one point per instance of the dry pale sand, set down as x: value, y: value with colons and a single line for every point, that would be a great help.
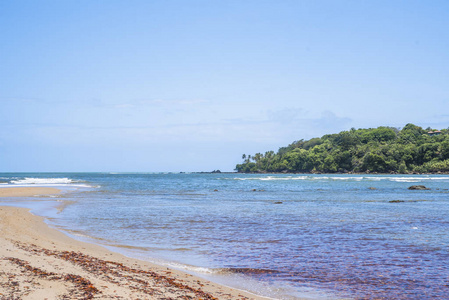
x: 39, y: 262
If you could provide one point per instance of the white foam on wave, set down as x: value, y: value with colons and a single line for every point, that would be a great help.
x: 406, y: 180
x: 417, y: 179
x: 246, y: 283
x: 338, y: 178
x: 375, y: 178
x: 342, y: 178
x: 195, y: 269
x: 32, y: 181
x: 310, y: 177
x: 284, y: 178
x: 271, y: 178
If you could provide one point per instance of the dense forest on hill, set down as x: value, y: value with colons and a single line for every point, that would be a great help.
x: 383, y: 150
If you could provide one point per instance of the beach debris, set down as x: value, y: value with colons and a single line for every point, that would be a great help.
x: 144, y: 281
x: 396, y: 201
x: 84, y: 289
x: 278, y: 202
x: 418, y: 187
x: 372, y: 188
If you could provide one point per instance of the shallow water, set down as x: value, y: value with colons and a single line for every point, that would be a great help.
x: 286, y: 236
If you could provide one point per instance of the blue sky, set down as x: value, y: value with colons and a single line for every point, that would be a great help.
x: 166, y: 85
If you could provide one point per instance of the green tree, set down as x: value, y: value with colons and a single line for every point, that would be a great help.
x: 382, y: 149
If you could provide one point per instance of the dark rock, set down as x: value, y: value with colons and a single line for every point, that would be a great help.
x: 418, y: 187
x: 215, y: 190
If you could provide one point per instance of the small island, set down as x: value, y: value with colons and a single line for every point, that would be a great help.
x: 411, y: 149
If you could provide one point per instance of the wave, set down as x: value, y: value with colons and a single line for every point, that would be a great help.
x: 418, y: 179
x: 309, y: 178
x: 271, y: 178
x: 28, y: 180
x: 342, y: 178
x: 190, y: 268
x: 32, y: 181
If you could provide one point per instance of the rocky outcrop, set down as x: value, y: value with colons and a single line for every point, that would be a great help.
x: 418, y: 187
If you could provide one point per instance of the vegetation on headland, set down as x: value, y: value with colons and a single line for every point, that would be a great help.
x: 375, y: 150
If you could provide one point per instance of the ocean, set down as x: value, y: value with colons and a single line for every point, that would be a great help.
x: 280, y: 235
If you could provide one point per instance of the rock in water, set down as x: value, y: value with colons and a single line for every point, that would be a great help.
x: 418, y: 187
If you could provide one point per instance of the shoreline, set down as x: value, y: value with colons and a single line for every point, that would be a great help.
x: 37, y: 262
x: 341, y: 173
x: 28, y: 191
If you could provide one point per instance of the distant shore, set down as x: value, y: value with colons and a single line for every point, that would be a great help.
x: 339, y: 173
x: 38, y: 262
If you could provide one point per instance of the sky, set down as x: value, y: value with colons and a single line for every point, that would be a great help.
x: 183, y: 86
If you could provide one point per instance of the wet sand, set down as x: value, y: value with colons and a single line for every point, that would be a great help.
x: 39, y: 262
x: 27, y: 191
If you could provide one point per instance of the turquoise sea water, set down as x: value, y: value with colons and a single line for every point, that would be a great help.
x: 284, y: 236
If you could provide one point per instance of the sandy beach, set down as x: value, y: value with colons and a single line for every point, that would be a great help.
x: 39, y: 262
x: 27, y: 191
